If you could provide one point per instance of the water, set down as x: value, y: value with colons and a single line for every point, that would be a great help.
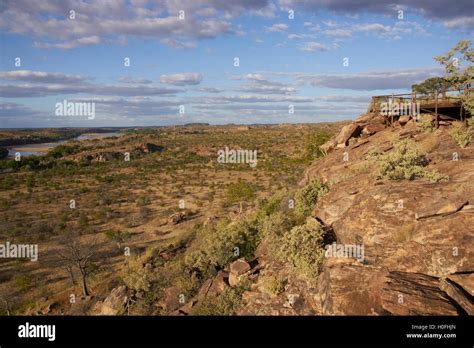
x: 43, y: 148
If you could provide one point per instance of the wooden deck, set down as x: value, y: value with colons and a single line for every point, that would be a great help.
x: 448, y: 105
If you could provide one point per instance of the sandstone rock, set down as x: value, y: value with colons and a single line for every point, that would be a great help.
x: 458, y: 294
x: 187, y: 308
x: 114, y: 303
x: 204, y: 289
x: 172, y: 297
x: 415, y: 294
x: 446, y: 209
x: 214, y: 287
x: 219, y: 284
x: 328, y: 146
x: 404, y: 119
x: 465, y: 281
x: 239, y: 267
x: 347, y: 132
x: 371, y: 129
x: 404, y: 254
x: 176, y: 218
x: 233, y: 279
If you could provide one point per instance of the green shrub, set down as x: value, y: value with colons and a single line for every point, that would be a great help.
x: 219, y: 244
x: 405, y: 162
x: 23, y: 282
x: 118, y: 237
x: 63, y: 150
x: 276, y: 225
x: 306, y: 198
x: 461, y: 135
x: 426, y: 124
x: 274, y: 285
x: 268, y: 206
x: 303, y: 247
x: 312, y: 147
x: 238, y: 192
x: 224, y: 304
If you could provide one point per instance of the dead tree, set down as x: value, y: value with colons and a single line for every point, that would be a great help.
x: 76, y: 255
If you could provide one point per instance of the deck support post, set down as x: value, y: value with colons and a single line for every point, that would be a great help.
x: 443, y: 91
x: 391, y: 113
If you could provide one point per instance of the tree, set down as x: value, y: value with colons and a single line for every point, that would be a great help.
x: 77, y: 255
x: 457, y: 74
x: 118, y: 237
x: 430, y: 87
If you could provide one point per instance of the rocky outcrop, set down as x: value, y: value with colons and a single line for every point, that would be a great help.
x: 364, y: 126
x: 115, y: 303
x: 416, y: 235
x: 105, y: 156
x: 238, y: 268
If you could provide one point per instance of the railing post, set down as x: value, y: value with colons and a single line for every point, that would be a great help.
x: 391, y: 113
x: 443, y: 91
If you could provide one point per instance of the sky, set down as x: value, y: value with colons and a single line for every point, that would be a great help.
x: 166, y: 62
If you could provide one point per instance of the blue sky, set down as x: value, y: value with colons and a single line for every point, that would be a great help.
x: 190, y: 61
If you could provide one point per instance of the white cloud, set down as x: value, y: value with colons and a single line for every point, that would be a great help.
x: 182, y: 79
x: 177, y: 44
x: 371, y: 80
x: 279, y: 27
x: 314, y: 46
x: 66, y: 45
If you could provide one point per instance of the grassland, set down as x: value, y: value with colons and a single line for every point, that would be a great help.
x: 157, y: 202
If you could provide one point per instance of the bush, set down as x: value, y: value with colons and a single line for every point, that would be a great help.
x: 274, y: 285
x: 274, y: 227
x: 137, y: 277
x: 306, y: 198
x: 63, y: 150
x: 23, y: 282
x: 405, y: 162
x: 225, y: 304
x: 426, y: 124
x: 118, y: 237
x: 219, y: 243
x: 313, y: 143
x: 268, y: 206
x: 303, y: 247
x: 460, y: 134
x: 238, y: 192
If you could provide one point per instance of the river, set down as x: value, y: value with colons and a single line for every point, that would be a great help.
x: 43, y: 148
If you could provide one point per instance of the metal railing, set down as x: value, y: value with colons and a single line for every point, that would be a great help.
x: 450, y: 98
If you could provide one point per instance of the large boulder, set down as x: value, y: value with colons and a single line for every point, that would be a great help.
x: 346, y: 133
x: 237, y: 269
x: 115, y: 303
